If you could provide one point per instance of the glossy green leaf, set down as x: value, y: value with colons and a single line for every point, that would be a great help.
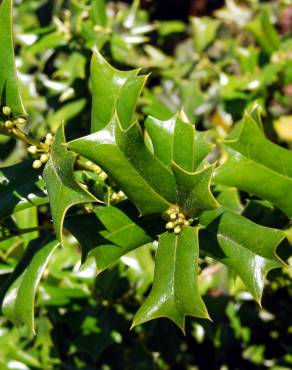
x: 9, y: 93
x: 21, y: 187
x: 257, y: 165
x: 110, y: 233
x: 170, y: 136
x: 123, y: 155
x: 18, y: 302
x: 175, y: 293
x: 245, y: 247
x: 113, y: 90
x: 193, y: 190
x: 63, y: 190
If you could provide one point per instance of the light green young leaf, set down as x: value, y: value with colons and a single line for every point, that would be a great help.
x: 9, y: 92
x: 113, y: 90
x: 257, y: 165
x: 175, y: 292
x: 245, y: 247
x: 18, y: 302
x: 63, y: 190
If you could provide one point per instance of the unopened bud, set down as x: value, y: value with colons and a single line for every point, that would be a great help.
x: 173, y: 216
x: 8, y: 124
x: 177, y: 230
x: 103, y: 175
x: 169, y: 225
x: 32, y: 149
x: 37, y: 164
x: 44, y: 158
x: 6, y: 111
x: 20, y: 121
x: 49, y: 138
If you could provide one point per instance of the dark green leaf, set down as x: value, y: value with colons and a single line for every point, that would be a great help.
x: 9, y: 93
x: 257, y: 165
x: 18, y: 302
x: 20, y: 187
x: 63, y: 190
x: 245, y: 247
x: 123, y: 155
x: 175, y: 292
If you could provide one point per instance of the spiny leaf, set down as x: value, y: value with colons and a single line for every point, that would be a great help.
x: 122, y: 154
x: 63, y: 190
x: 175, y: 292
x: 257, y: 165
x: 9, y: 93
x: 20, y: 289
x: 110, y: 233
x: 245, y: 247
x: 113, y: 90
x: 170, y: 136
x: 193, y: 190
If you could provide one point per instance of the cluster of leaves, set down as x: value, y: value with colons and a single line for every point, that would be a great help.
x: 153, y: 186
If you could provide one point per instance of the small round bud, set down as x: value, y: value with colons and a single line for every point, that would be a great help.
x: 49, y: 139
x: 103, y: 175
x: 32, y: 149
x: 8, y: 124
x: 114, y: 196
x: 6, y: 111
x: 177, y: 230
x: 44, y: 158
x: 187, y: 223
x: 169, y: 225
x: 173, y: 216
x: 37, y: 164
x: 191, y: 220
x: 20, y: 121
x: 121, y: 194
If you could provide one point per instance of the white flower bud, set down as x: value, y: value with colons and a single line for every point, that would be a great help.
x: 169, y: 225
x: 44, y: 158
x: 49, y: 139
x: 32, y: 149
x: 173, y: 216
x: 20, y: 121
x: 8, y: 124
x: 177, y: 230
x: 6, y: 111
x: 37, y: 164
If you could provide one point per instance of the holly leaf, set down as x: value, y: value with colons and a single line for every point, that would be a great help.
x: 258, y: 166
x: 111, y: 232
x: 175, y: 292
x: 245, y: 247
x: 9, y: 92
x: 193, y: 190
x: 168, y: 137
x: 63, y: 190
x: 20, y: 289
x: 124, y: 156
x: 113, y: 91
x: 21, y: 187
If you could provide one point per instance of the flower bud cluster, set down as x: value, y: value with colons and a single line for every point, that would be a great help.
x: 41, y: 154
x: 8, y: 121
x: 176, y: 219
x: 117, y: 196
x: 95, y: 168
